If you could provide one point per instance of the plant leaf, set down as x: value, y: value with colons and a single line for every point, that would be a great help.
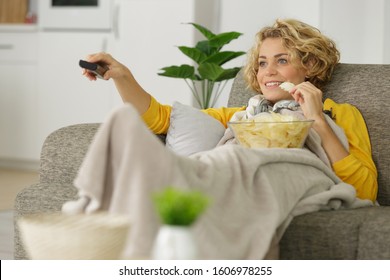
x: 216, y: 73
x: 206, y: 48
x: 195, y: 54
x: 222, y: 57
x: 183, y: 71
x: 179, y: 207
x: 228, y: 74
x: 207, y: 33
x: 210, y: 71
x: 223, y: 38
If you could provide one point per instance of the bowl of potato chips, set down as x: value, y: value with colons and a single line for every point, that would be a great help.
x: 271, y: 131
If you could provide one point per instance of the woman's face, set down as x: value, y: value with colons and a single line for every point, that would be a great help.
x: 275, y: 67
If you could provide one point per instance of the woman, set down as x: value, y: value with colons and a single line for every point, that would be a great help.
x: 287, y: 51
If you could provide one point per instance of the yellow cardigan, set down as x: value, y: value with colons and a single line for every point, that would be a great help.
x: 357, y: 169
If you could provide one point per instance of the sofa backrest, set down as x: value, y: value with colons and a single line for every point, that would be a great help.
x: 366, y: 86
x: 64, y: 150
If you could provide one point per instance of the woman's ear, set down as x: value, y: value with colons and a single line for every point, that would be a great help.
x: 309, y: 65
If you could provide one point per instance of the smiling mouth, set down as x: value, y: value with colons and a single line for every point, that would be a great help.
x: 273, y: 84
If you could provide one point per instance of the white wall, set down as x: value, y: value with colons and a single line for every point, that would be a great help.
x: 359, y: 27
x: 249, y: 16
x: 386, y: 32
x: 359, y: 32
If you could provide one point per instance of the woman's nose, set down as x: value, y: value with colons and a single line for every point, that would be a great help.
x: 271, y: 69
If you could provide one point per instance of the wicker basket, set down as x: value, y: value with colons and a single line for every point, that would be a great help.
x: 99, y: 236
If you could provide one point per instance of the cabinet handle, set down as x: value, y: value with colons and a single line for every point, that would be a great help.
x: 116, y: 21
x: 6, y: 47
x: 104, y: 45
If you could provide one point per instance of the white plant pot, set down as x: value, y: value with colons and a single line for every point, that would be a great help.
x: 174, y: 243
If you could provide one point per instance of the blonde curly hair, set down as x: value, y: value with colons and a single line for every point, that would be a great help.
x: 307, y: 48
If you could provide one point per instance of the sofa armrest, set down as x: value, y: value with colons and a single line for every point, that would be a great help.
x: 37, y: 199
x: 63, y: 151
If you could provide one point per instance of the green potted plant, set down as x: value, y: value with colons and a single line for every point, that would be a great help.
x: 207, y: 78
x: 178, y: 209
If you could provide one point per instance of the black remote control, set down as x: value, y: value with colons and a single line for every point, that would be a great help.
x: 97, y: 69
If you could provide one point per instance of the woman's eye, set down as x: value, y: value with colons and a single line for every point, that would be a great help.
x: 282, y: 61
x: 262, y: 64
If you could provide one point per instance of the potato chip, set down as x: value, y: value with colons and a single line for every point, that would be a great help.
x: 287, y: 86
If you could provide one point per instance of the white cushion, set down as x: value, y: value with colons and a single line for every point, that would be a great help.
x: 192, y: 131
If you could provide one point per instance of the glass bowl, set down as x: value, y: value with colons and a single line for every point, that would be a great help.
x: 271, y: 134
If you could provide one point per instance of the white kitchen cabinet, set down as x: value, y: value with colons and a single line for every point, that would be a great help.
x: 66, y: 97
x: 146, y: 36
x: 18, y: 94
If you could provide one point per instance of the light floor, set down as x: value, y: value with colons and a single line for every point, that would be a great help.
x: 11, y: 182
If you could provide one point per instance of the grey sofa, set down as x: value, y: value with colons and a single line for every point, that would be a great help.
x: 346, y: 234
